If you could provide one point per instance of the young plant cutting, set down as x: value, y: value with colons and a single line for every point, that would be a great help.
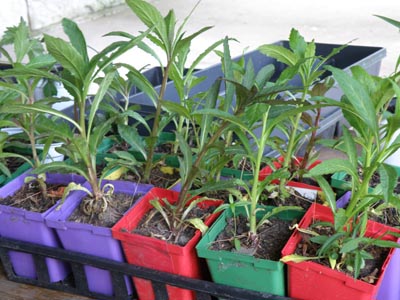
x: 210, y: 226
x: 342, y: 237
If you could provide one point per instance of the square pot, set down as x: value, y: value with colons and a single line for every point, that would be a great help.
x: 390, y: 288
x: 158, y: 254
x: 310, y: 280
x: 90, y: 239
x: 27, y: 226
x: 240, y: 270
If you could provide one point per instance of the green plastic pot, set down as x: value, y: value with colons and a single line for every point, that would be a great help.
x: 240, y: 270
x: 235, y: 173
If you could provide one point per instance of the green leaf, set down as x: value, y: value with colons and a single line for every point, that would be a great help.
x: 207, y: 119
x: 177, y: 109
x: 157, y: 205
x: 101, y: 92
x: 227, y: 117
x: 60, y: 166
x: 4, y: 170
x: 17, y: 108
x: 350, y: 147
x: 358, y: 96
x: 12, y: 87
x: 384, y: 243
x: 351, y: 244
x: 201, y: 56
x: 297, y: 43
x: 340, y: 219
x: 21, y: 41
x: 150, y: 16
x: 132, y: 137
x: 264, y: 75
x: 186, y: 161
x: 388, y: 177
x: 357, y: 264
x: 184, y: 44
x: 280, y: 53
x: 141, y: 82
x: 329, y: 194
x: 332, y: 241
x: 15, y: 155
x: 332, y: 166
x: 390, y: 21
x: 137, y: 117
x: 24, y: 72
x: 76, y: 38
x: 67, y: 55
x: 41, y: 61
x: 237, y: 244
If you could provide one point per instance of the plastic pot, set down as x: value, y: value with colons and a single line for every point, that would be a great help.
x: 240, y: 270
x: 390, y: 288
x: 310, y: 280
x: 90, y: 239
x: 302, y: 188
x: 158, y: 254
x: 28, y: 226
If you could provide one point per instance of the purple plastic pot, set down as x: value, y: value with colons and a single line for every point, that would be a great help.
x: 390, y: 288
x: 344, y: 200
x: 93, y: 240
x: 23, y: 225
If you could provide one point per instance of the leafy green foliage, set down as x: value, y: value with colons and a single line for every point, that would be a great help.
x: 301, y: 60
x: 364, y: 105
x: 17, y: 91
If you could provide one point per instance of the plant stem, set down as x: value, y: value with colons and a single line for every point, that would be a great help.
x: 310, y: 144
x: 368, y: 172
x: 195, y: 167
x: 156, y: 124
x: 255, y: 193
x: 291, y: 143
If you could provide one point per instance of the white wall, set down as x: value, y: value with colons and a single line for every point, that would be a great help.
x: 11, y: 11
x: 43, y: 13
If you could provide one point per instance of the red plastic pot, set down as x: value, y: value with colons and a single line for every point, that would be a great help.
x: 310, y: 280
x: 278, y: 164
x: 157, y: 254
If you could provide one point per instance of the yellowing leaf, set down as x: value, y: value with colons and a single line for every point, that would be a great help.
x: 297, y: 258
x: 167, y: 170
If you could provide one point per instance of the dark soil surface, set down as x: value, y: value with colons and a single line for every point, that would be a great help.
x: 30, y: 198
x: 389, y: 216
x: 118, y: 204
x: 244, y: 166
x: 13, y: 163
x: 161, y: 176
x: 369, y: 273
x: 271, y: 238
x: 294, y: 199
x: 375, y: 180
x: 154, y: 225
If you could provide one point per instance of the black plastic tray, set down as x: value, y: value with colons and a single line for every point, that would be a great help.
x: 76, y: 283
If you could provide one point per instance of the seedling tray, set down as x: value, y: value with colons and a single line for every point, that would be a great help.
x: 76, y: 283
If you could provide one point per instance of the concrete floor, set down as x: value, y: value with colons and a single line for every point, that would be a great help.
x: 257, y: 22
